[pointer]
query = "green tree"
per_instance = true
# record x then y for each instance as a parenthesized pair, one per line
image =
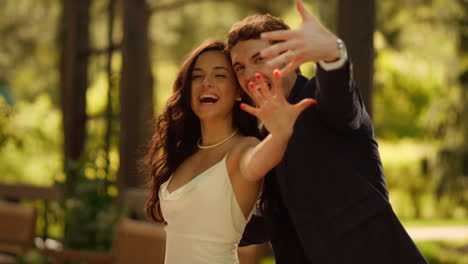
(453, 158)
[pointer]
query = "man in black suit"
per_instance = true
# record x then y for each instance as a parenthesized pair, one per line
(327, 201)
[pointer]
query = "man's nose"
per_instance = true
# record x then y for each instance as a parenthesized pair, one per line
(250, 74)
(207, 82)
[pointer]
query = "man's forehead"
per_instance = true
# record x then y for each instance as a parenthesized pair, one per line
(248, 48)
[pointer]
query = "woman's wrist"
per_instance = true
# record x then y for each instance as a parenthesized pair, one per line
(282, 137)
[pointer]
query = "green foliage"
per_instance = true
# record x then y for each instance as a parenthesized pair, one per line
(29, 141)
(411, 173)
(5, 115)
(434, 222)
(30, 153)
(402, 101)
(90, 216)
(268, 260)
(174, 38)
(418, 95)
(28, 54)
(408, 184)
(452, 174)
(415, 66)
(453, 157)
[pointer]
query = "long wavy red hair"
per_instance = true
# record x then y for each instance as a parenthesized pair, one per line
(178, 129)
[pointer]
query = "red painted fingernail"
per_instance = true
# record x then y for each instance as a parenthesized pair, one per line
(276, 72)
(251, 85)
(242, 106)
(258, 76)
(313, 102)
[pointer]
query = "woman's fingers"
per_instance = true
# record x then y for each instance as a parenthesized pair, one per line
(263, 86)
(256, 94)
(277, 85)
(250, 109)
(303, 104)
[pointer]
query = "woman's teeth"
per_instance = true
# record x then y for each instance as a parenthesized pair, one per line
(208, 99)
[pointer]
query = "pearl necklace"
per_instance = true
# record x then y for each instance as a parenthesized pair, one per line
(217, 144)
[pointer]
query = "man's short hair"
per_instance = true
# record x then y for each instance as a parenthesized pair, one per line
(251, 27)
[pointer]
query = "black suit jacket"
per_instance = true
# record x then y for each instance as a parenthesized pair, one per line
(330, 181)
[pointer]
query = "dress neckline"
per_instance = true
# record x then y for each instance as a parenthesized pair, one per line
(190, 183)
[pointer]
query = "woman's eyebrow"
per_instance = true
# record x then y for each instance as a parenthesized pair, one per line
(220, 68)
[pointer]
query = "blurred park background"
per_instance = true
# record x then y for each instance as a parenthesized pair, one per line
(81, 79)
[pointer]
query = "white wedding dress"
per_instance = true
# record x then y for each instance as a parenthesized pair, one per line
(204, 219)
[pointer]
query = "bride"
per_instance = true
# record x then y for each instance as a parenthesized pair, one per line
(206, 162)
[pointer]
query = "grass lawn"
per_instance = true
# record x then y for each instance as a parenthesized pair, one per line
(444, 252)
(268, 260)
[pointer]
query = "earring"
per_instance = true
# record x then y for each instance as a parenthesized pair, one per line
(238, 99)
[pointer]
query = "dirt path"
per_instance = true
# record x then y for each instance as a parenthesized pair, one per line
(438, 233)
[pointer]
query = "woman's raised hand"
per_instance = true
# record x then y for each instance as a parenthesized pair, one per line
(272, 108)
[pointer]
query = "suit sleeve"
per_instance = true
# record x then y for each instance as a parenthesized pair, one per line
(255, 232)
(339, 102)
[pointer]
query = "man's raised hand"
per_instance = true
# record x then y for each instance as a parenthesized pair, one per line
(311, 42)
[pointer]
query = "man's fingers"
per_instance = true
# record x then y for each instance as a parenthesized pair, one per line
(304, 104)
(278, 35)
(282, 60)
(303, 12)
(279, 48)
(290, 67)
(274, 49)
(277, 62)
(249, 109)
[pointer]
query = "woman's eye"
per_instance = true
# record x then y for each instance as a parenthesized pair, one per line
(194, 77)
(220, 75)
(258, 59)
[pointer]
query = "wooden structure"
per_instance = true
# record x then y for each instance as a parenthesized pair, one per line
(129, 238)
(135, 242)
(16, 193)
(17, 230)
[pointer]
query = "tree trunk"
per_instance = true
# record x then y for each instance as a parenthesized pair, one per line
(356, 24)
(136, 93)
(110, 88)
(73, 84)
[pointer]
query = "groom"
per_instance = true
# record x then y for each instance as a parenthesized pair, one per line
(327, 201)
